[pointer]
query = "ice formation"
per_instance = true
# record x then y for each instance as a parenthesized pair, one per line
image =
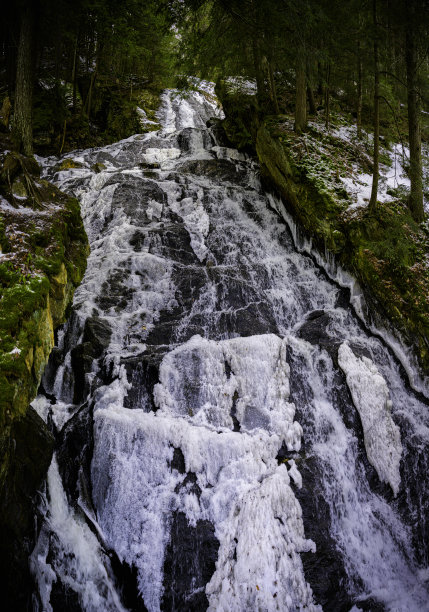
(215, 406)
(371, 397)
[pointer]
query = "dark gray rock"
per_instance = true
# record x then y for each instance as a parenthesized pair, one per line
(190, 562)
(189, 136)
(74, 454)
(114, 292)
(314, 330)
(216, 169)
(96, 338)
(30, 456)
(143, 374)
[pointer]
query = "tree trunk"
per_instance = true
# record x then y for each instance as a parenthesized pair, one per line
(359, 93)
(259, 74)
(301, 93)
(273, 88)
(22, 134)
(86, 108)
(320, 81)
(374, 189)
(415, 201)
(90, 90)
(311, 100)
(328, 98)
(74, 74)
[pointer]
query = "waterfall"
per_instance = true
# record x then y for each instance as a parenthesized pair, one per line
(230, 435)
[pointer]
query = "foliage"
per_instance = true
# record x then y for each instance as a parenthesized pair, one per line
(94, 56)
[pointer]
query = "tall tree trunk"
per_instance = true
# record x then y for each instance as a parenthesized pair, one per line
(22, 134)
(415, 201)
(301, 92)
(320, 91)
(310, 92)
(74, 73)
(374, 190)
(328, 97)
(90, 90)
(86, 108)
(259, 73)
(273, 88)
(311, 100)
(359, 93)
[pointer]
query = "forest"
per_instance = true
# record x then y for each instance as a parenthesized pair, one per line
(214, 322)
(67, 68)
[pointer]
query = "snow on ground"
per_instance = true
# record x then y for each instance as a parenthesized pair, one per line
(358, 183)
(242, 85)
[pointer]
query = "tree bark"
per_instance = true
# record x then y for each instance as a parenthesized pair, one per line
(359, 93)
(259, 74)
(301, 93)
(374, 190)
(273, 88)
(415, 201)
(90, 90)
(22, 134)
(311, 100)
(328, 97)
(320, 82)
(74, 74)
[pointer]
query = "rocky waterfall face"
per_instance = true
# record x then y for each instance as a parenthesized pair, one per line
(230, 436)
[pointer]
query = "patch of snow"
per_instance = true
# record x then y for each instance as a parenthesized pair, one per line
(242, 85)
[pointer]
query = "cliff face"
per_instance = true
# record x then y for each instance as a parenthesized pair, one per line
(43, 257)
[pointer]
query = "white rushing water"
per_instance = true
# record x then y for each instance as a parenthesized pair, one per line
(208, 372)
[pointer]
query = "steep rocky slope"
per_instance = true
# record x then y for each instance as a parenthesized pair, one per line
(43, 257)
(322, 177)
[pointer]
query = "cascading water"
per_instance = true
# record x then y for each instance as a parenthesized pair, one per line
(230, 436)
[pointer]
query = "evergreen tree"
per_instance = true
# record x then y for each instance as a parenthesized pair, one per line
(23, 109)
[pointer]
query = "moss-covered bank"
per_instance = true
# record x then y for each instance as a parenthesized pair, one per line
(43, 257)
(387, 252)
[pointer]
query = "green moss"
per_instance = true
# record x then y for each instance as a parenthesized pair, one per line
(386, 251)
(46, 260)
(242, 117)
(149, 100)
(67, 164)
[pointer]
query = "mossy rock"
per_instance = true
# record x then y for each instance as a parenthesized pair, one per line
(385, 251)
(19, 189)
(68, 164)
(14, 164)
(242, 117)
(30, 448)
(45, 261)
(98, 167)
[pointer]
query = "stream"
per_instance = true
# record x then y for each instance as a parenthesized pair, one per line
(230, 435)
